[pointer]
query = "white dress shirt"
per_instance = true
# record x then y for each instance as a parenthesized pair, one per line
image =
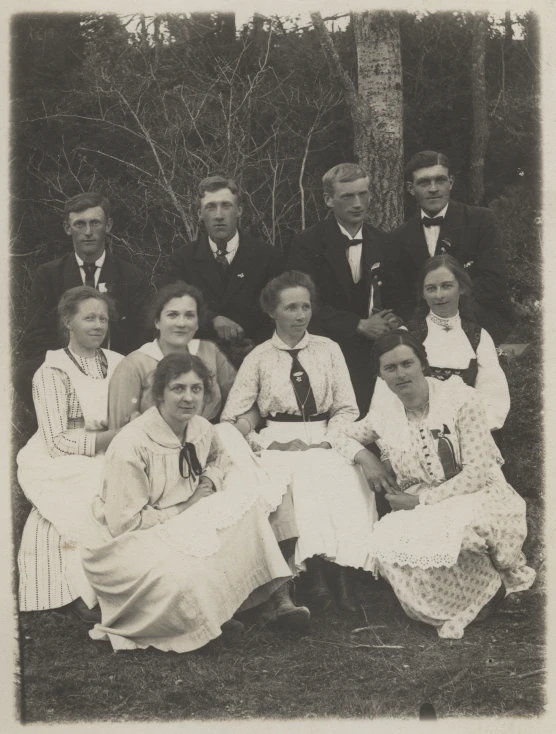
(231, 247)
(354, 253)
(99, 263)
(431, 233)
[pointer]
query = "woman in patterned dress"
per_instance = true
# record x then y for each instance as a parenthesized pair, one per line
(179, 549)
(302, 388)
(59, 470)
(458, 544)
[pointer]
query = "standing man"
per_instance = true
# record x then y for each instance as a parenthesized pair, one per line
(468, 233)
(87, 220)
(229, 267)
(356, 282)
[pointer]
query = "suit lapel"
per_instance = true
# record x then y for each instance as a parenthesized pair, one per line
(335, 253)
(416, 244)
(71, 276)
(206, 264)
(372, 254)
(242, 265)
(451, 231)
(108, 270)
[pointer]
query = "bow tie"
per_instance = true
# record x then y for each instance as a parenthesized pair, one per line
(432, 221)
(351, 243)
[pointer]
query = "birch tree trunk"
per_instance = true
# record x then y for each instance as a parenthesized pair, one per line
(480, 113)
(376, 107)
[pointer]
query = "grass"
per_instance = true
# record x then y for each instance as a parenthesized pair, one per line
(332, 671)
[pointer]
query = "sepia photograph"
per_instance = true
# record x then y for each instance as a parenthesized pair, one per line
(275, 348)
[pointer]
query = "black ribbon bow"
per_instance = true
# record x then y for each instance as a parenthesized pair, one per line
(351, 243)
(189, 456)
(432, 221)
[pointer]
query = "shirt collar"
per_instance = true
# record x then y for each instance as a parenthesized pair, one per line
(358, 236)
(231, 245)
(99, 263)
(424, 215)
(279, 344)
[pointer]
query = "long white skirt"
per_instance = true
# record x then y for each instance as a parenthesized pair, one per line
(61, 490)
(334, 508)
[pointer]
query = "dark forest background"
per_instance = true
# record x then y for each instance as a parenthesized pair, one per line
(141, 109)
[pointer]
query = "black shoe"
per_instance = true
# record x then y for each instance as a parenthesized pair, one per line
(88, 616)
(320, 596)
(345, 591)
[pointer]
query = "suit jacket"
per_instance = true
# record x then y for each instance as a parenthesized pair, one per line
(320, 252)
(125, 284)
(254, 264)
(470, 234)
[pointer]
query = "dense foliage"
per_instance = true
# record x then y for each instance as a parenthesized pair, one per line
(142, 108)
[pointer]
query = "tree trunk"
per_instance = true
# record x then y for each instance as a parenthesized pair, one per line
(379, 66)
(480, 113)
(376, 108)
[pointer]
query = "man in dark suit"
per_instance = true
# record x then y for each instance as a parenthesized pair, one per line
(87, 220)
(229, 267)
(469, 233)
(358, 287)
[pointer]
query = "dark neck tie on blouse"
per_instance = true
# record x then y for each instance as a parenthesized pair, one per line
(188, 455)
(432, 221)
(302, 386)
(221, 258)
(445, 451)
(90, 270)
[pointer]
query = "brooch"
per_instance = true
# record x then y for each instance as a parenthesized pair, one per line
(241, 275)
(445, 246)
(469, 264)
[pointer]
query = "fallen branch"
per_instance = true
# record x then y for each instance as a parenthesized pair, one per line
(531, 673)
(374, 647)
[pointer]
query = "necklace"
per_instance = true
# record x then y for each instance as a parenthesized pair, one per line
(424, 408)
(446, 324)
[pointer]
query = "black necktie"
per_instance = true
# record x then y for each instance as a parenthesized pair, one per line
(432, 221)
(445, 451)
(221, 258)
(302, 386)
(90, 271)
(188, 456)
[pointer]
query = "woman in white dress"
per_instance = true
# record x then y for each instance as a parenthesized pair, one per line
(455, 343)
(174, 315)
(301, 385)
(179, 549)
(59, 470)
(459, 545)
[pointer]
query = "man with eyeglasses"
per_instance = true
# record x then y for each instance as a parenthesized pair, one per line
(87, 220)
(468, 233)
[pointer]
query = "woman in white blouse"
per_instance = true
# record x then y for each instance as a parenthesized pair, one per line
(183, 541)
(59, 470)
(455, 343)
(302, 388)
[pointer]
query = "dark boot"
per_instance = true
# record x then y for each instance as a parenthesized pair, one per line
(317, 587)
(286, 613)
(83, 613)
(345, 590)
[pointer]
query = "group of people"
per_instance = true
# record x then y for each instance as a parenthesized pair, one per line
(183, 476)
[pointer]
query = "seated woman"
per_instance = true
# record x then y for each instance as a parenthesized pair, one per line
(59, 470)
(175, 313)
(179, 552)
(301, 385)
(460, 545)
(454, 342)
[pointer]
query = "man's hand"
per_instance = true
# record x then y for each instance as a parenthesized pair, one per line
(376, 325)
(402, 501)
(295, 445)
(379, 476)
(226, 328)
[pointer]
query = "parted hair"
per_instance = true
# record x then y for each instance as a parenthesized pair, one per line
(174, 365)
(270, 295)
(342, 173)
(69, 305)
(398, 338)
(460, 274)
(215, 183)
(425, 159)
(165, 294)
(87, 200)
